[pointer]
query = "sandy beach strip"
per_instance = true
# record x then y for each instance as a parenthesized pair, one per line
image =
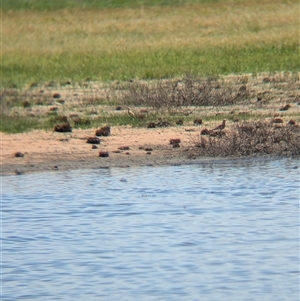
(38, 151)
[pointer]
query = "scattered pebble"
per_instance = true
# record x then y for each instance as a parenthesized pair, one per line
(205, 132)
(103, 131)
(103, 154)
(175, 141)
(277, 120)
(93, 140)
(124, 148)
(285, 108)
(56, 95)
(19, 155)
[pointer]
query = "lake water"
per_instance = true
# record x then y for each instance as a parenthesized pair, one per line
(219, 231)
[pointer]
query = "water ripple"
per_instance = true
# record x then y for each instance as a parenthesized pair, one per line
(215, 231)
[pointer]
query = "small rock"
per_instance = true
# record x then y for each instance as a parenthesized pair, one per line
(103, 131)
(103, 154)
(19, 155)
(56, 95)
(285, 108)
(205, 132)
(175, 141)
(266, 80)
(93, 140)
(124, 148)
(277, 120)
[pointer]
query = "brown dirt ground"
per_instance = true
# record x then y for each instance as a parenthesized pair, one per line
(46, 151)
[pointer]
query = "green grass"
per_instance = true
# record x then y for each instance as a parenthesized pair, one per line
(13, 125)
(45, 5)
(18, 69)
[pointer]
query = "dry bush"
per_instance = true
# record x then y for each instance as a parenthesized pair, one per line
(250, 138)
(190, 91)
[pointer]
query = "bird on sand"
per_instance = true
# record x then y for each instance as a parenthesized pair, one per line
(220, 126)
(130, 113)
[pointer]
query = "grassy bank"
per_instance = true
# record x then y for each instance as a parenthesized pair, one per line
(44, 42)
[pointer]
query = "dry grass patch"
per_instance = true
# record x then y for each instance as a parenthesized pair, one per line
(110, 30)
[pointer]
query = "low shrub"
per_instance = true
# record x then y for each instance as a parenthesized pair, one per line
(251, 138)
(190, 91)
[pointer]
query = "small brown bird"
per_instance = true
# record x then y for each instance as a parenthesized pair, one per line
(221, 126)
(130, 113)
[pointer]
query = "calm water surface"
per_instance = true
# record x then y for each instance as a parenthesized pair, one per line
(221, 231)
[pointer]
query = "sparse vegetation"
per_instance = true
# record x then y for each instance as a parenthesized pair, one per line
(250, 138)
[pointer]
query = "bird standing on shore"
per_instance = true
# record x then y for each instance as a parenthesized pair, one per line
(130, 113)
(221, 126)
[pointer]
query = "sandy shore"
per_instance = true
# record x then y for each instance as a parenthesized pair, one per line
(52, 151)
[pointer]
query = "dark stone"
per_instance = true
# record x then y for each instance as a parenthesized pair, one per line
(93, 140)
(56, 95)
(19, 155)
(103, 131)
(103, 154)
